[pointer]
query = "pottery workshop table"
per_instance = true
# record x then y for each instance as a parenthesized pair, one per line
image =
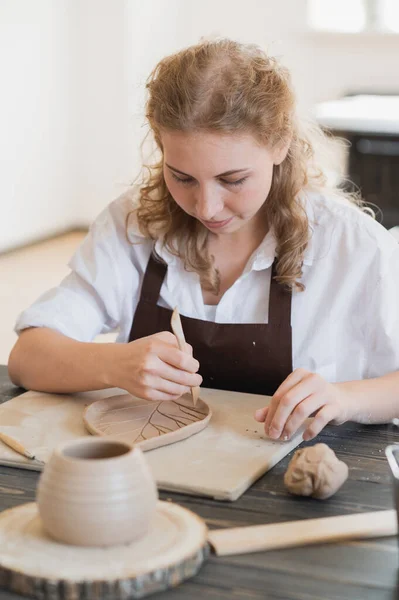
(366, 570)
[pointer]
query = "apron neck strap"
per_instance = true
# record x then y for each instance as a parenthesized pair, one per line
(153, 279)
(279, 303)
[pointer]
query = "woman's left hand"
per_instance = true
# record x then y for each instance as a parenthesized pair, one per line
(301, 395)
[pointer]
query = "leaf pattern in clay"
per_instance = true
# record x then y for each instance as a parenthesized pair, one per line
(169, 416)
(137, 420)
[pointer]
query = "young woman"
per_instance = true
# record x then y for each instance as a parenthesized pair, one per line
(285, 286)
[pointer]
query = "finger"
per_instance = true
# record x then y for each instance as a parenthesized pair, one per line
(325, 415)
(166, 336)
(170, 338)
(154, 395)
(261, 413)
(178, 359)
(188, 349)
(302, 412)
(169, 387)
(306, 387)
(290, 382)
(158, 396)
(178, 376)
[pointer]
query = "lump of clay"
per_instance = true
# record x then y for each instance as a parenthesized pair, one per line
(315, 471)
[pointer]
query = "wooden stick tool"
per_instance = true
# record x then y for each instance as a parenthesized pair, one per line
(18, 447)
(181, 340)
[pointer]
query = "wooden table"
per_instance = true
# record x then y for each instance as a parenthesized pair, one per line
(366, 570)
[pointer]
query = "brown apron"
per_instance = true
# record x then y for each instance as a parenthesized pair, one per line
(254, 358)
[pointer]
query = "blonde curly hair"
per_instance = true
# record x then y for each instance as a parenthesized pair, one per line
(227, 86)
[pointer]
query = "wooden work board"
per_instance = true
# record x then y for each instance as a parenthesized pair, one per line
(221, 461)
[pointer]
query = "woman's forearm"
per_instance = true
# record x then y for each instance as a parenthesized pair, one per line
(372, 400)
(47, 361)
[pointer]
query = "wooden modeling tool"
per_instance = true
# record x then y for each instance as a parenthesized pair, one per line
(181, 340)
(18, 447)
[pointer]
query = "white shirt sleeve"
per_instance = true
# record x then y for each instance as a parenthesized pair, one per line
(383, 321)
(89, 300)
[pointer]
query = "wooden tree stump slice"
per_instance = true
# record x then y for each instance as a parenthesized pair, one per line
(33, 564)
(144, 423)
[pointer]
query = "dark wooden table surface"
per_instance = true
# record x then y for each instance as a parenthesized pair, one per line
(365, 570)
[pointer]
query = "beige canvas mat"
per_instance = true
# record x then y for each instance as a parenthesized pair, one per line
(221, 461)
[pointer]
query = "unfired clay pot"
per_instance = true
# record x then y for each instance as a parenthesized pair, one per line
(96, 492)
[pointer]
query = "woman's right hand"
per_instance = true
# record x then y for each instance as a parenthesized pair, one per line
(153, 367)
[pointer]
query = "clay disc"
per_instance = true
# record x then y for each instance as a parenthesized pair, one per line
(33, 564)
(144, 423)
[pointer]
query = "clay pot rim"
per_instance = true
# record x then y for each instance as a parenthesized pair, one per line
(59, 451)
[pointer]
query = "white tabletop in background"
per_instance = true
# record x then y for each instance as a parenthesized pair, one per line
(361, 114)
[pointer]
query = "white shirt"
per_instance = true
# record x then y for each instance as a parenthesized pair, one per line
(345, 325)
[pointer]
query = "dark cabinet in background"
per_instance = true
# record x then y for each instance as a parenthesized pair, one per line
(374, 169)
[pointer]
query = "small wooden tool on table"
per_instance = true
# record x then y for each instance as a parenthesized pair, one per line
(18, 447)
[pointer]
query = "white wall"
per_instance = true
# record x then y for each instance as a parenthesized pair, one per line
(102, 130)
(323, 66)
(36, 189)
(75, 73)
(116, 44)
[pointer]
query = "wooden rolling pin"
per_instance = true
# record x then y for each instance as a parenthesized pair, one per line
(242, 540)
